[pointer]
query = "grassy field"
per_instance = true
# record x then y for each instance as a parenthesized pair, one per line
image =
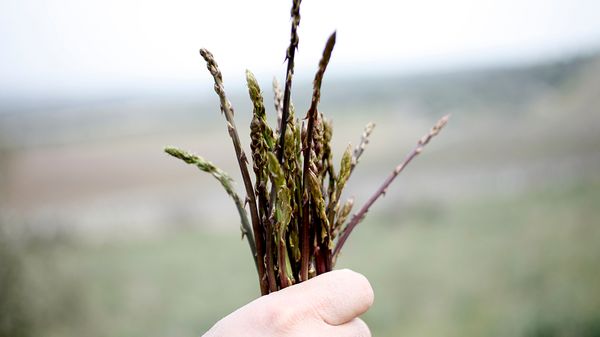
(494, 231)
(523, 265)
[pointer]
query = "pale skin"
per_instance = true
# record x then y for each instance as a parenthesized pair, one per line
(327, 305)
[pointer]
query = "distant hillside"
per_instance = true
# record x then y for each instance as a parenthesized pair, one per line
(485, 91)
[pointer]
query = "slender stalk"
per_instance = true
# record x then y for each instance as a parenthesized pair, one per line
(360, 148)
(278, 103)
(270, 255)
(261, 143)
(282, 255)
(348, 165)
(341, 217)
(311, 115)
(281, 214)
(328, 160)
(305, 241)
(227, 184)
(227, 110)
(318, 254)
(291, 52)
(340, 183)
(358, 217)
(269, 251)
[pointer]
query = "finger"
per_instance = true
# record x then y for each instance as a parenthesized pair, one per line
(335, 297)
(355, 328)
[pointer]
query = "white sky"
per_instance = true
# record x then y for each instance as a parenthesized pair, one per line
(64, 45)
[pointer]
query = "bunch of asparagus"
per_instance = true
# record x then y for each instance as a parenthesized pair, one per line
(298, 222)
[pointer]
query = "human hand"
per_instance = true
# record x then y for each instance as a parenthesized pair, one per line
(326, 305)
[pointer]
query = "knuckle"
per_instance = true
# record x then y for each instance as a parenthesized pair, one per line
(319, 310)
(280, 317)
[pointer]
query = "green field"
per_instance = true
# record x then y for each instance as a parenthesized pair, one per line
(511, 266)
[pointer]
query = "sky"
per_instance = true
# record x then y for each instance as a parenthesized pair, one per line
(68, 46)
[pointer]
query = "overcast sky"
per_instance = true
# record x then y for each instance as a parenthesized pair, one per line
(65, 45)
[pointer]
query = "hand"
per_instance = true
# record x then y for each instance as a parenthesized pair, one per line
(326, 305)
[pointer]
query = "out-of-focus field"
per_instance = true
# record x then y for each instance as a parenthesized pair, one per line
(523, 266)
(493, 231)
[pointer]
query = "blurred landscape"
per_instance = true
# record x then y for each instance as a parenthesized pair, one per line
(493, 230)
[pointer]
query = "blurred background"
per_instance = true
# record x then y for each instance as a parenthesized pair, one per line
(492, 231)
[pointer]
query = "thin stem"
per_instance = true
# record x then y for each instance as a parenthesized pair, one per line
(227, 110)
(360, 148)
(261, 143)
(278, 103)
(311, 115)
(358, 217)
(305, 241)
(270, 255)
(334, 196)
(227, 184)
(281, 254)
(318, 253)
(291, 52)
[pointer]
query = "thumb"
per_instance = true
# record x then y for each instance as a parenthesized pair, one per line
(335, 297)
